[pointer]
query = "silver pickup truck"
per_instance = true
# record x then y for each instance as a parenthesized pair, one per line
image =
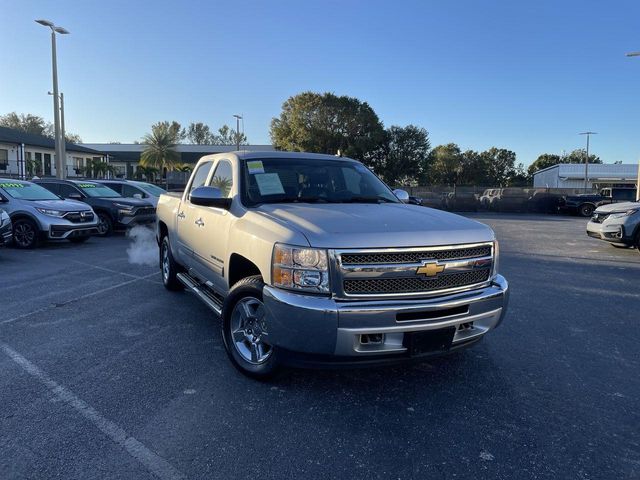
(311, 259)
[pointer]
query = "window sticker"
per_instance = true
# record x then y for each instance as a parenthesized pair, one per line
(86, 185)
(255, 166)
(12, 185)
(269, 184)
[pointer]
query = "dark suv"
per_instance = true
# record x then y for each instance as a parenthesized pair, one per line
(114, 211)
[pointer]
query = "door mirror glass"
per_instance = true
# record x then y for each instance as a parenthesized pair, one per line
(209, 197)
(402, 195)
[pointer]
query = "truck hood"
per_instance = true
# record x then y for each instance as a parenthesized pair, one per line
(617, 207)
(62, 205)
(361, 225)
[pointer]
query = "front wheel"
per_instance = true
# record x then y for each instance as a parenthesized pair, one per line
(245, 330)
(25, 233)
(105, 224)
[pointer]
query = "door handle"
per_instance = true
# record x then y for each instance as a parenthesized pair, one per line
(199, 222)
(181, 215)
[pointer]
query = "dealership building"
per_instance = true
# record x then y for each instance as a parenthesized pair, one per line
(572, 175)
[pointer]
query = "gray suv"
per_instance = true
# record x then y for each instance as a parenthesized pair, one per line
(617, 223)
(37, 214)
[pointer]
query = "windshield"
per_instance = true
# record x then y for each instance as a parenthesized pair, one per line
(151, 189)
(95, 190)
(27, 191)
(278, 180)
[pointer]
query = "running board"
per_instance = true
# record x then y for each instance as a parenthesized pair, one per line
(210, 301)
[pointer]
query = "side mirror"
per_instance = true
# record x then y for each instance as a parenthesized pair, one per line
(402, 195)
(74, 196)
(209, 197)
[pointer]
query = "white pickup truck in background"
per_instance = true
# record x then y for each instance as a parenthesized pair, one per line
(311, 259)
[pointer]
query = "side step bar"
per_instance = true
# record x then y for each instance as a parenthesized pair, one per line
(201, 292)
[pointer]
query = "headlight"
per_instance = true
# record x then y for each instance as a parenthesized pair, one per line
(51, 213)
(496, 257)
(629, 212)
(124, 209)
(300, 268)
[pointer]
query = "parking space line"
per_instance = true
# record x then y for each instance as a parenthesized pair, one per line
(110, 270)
(155, 464)
(82, 297)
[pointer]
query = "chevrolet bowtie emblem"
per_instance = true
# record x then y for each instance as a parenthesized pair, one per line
(430, 269)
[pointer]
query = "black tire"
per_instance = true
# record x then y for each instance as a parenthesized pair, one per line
(586, 210)
(25, 233)
(105, 225)
(79, 239)
(637, 245)
(620, 246)
(247, 290)
(169, 269)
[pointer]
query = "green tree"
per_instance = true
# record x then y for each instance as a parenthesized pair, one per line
(327, 123)
(446, 164)
(500, 164)
(227, 136)
(173, 129)
(200, 134)
(474, 169)
(159, 149)
(405, 155)
(543, 161)
(579, 155)
(35, 125)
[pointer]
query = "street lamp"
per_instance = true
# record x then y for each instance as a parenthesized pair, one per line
(586, 160)
(636, 54)
(60, 148)
(238, 118)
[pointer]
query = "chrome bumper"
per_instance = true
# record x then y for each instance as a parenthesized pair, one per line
(324, 326)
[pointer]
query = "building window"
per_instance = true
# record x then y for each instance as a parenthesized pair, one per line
(4, 159)
(78, 163)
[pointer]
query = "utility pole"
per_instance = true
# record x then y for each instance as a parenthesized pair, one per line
(586, 160)
(60, 151)
(636, 54)
(238, 118)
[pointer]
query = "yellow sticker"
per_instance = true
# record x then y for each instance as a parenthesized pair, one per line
(255, 166)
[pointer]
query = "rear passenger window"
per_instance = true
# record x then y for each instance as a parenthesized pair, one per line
(129, 191)
(200, 176)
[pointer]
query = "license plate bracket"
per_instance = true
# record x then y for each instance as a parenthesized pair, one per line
(429, 341)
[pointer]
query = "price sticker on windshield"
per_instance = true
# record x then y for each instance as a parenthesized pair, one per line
(86, 185)
(12, 185)
(255, 166)
(269, 184)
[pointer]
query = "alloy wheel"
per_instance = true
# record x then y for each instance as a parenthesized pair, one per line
(249, 331)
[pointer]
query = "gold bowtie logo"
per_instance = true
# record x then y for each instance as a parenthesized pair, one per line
(430, 269)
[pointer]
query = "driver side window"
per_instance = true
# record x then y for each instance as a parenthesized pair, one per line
(200, 176)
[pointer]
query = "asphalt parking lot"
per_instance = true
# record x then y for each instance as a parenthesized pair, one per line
(107, 375)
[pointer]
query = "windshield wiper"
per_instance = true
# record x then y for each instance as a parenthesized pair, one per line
(367, 199)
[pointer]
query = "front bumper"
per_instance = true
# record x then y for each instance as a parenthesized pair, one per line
(6, 234)
(609, 231)
(335, 330)
(128, 221)
(60, 232)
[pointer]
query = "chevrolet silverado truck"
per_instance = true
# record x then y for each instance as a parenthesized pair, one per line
(39, 215)
(311, 259)
(585, 204)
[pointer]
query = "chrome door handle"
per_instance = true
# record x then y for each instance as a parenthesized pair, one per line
(199, 222)
(181, 215)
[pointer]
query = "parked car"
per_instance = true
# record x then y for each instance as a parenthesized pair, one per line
(113, 210)
(6, 231)
(585, 204)
(415, 200)
(487, 198)
(510, 200)
(312, 259)
(617, 223)
(543, 201)
(461, 202)
(135, 189)
(37, 214)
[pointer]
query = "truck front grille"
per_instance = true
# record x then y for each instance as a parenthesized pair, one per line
(412, 271)
(387, 286)
(414, 256)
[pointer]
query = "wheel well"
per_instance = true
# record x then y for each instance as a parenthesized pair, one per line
(24, 216)
(240, 267)
(103, 210)
(163, 231)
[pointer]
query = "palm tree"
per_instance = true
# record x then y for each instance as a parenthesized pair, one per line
(146, 173)
(160, 152)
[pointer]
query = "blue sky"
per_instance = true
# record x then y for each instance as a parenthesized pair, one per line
(527, 76)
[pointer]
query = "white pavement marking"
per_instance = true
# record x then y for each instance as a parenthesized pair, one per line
(157, 465)
(109, 270)
(82, 297)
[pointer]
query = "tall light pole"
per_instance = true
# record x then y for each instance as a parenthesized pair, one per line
(63, 134)
(586, 160)
(60, 151)
(238, 118)
(636, 54)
